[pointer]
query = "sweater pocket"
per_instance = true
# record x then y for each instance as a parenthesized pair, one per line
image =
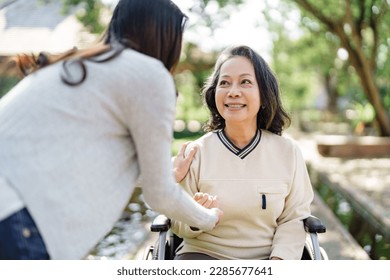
(271, 197)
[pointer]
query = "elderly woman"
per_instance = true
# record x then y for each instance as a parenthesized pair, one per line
(244, 166)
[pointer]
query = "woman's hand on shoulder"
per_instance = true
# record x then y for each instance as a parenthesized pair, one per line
(181, 162)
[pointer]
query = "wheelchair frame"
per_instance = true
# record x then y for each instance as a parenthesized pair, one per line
(165, 248)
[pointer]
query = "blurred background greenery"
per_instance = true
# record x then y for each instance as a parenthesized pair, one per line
(329, 56)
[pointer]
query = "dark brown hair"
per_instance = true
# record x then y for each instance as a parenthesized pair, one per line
(271, 116)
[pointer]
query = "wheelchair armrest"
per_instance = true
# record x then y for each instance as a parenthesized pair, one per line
(313, 224)
(160, 223)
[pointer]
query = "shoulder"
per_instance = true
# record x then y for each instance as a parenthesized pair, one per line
(145, 64)
(201, 142)
(134, 70)
(138, 75)
(284, 143)
(206, 139)
(280, 139)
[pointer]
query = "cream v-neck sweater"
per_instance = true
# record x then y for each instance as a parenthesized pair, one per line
(264, 191)
(73, 155)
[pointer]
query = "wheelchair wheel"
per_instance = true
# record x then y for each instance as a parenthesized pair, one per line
(148, 253)
(313, 251)
(151, 253)
(324, 255)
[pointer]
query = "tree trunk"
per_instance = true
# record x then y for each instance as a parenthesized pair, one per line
(332, 93)
(361, 64)
(372, 92)
(364, 67)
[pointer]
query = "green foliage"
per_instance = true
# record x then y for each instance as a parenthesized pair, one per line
(365, 113)
(189, 102)
(223, 3)
(192, 72)
(180, 139)
(385, 95)
(204, 11)
(314, 53)
(298, 63)
(361, 28)
(302, 63)
(91, 17)
(91, 14)
(360, 227)
(6, 83)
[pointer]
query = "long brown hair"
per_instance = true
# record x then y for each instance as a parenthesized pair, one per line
(152, 27)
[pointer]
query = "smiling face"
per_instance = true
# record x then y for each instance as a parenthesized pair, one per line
(237, 93)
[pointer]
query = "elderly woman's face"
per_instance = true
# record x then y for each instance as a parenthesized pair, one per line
(237, 93)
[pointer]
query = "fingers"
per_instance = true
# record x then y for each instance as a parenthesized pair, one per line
(206, 200)
(198, 196)
(183, 149)
(192, 153)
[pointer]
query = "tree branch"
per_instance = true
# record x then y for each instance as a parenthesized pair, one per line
(374, 21)
(317, 13)
(373, 25)
(362, 15)
(355, 30)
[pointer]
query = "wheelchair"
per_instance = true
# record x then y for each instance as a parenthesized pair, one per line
(168, 242)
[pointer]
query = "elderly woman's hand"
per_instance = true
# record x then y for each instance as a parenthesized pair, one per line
(206, 200)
